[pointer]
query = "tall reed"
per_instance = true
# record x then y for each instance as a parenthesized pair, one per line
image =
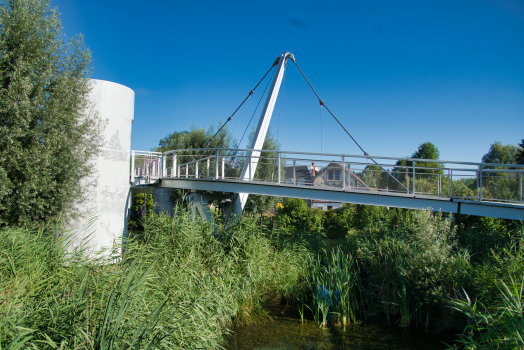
(335, 287)
(176, 286)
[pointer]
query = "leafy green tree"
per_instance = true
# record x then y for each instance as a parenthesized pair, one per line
(502, 154)
(197, 138)
(426, 150)
(47, 131)
(520, 151)
(500, 185)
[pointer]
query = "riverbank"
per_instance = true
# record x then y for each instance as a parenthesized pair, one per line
(180, 284)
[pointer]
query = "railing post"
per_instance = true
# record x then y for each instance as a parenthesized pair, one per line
(343, 173)
(407, 181)
(164, 166)
(294, 172)
(349, 175)
(175, 164)
(414, 189)
(196, 170)
(178, 171)
(249, 167)
(480, 183)
(187, 170)
(132, 166)
(450, 182)
(223, 165)
(208, 167)
(439, 184)
(520, 175)
(279, 165)
(216, 164)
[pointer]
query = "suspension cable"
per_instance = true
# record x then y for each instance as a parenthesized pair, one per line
(247, 126)
(248, 96)
(338, 121)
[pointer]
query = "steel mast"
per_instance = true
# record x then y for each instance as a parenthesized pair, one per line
(248, 172)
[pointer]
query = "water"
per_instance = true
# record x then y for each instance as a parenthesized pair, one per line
(287, 332)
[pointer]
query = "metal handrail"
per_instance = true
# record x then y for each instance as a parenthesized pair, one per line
(153, 165)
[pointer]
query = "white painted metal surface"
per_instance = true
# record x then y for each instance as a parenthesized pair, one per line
(104, 215)
(260, 134)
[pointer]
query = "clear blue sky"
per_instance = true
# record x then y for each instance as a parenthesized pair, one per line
(396, 73)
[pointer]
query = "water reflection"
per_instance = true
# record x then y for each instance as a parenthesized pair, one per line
(289, 333)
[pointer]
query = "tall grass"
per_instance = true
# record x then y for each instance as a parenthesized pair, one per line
(176, 286)
(496, 326)
(335, 287)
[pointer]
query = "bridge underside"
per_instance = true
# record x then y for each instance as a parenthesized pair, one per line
(448, 205)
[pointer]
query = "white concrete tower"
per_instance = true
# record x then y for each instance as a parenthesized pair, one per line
(104, 215)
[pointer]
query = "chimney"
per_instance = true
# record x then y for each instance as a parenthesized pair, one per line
(313, 169)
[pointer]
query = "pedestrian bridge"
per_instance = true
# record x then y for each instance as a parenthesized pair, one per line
(482, 189)
(455, 187)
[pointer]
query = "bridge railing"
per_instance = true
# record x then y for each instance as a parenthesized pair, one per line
(408, 176)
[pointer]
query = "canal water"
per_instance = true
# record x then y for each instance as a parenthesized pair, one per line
(285, 332)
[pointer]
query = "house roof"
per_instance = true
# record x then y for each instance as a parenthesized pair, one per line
(339, 165)
(302, 172)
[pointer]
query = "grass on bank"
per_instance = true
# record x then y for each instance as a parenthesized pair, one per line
(176, 286)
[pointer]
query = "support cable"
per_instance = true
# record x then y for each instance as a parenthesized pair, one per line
(248, 96)
(338, 121)
(244, 134)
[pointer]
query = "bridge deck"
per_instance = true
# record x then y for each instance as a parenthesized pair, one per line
(514, 211)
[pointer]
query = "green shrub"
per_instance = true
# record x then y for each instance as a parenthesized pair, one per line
(414, 268)
(338, 222)
(297, 217)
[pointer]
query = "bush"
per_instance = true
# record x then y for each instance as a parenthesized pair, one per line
(297, 217)
(414, 268)
(338, 222)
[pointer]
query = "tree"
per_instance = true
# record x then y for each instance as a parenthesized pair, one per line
(502, 154)
(47, 131)
(520, 151)
(426, 150)
(197, 138)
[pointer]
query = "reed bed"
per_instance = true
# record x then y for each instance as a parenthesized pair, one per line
(335, 287)
(176, 286)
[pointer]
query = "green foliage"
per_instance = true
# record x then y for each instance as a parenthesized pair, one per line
(520, 152)
(337, 222)
(175, 287)
(372, 218)
(47, 131)
(335, 287)
(138, 202)
(499, 325)
(196, 138)
(297, 217)
(502, 154)
(425, 151)
(414, 266)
